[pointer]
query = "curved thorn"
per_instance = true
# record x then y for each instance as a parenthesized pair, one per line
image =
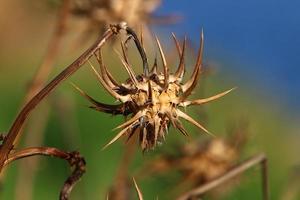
(124, 53)
(154, 67)
(113, 109)
(176, 43)
(180, 71)
(108, 89)
(171, 118)
(111, 78)
(191, 84)
(206, 100)
(181, 128)
(122, 132)
(142, 38)
(140, 49)
(164, 62)
(101, 64)
(108, 79)
(130, 121)
(129, 70)
(192, 121)
(139, 193)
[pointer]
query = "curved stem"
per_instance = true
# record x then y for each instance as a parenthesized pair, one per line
(140, 49)
(258, 159)
(14, 131)
(73, 158)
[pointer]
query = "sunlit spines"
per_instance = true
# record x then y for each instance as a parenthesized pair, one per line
(164, 62)
(189, 86)
(181, 67)
(206, 100)
(191, 120)
(129, 70)
(110, 91)
(109, 80)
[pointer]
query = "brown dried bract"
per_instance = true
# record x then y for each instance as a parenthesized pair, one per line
(153, 99)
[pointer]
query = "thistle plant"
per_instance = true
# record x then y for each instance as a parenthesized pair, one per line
(152, 99)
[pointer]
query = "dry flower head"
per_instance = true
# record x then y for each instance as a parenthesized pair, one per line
(154, 98)
(200, 163)
(99, 14)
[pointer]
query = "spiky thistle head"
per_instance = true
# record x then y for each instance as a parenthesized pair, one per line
(152, 99)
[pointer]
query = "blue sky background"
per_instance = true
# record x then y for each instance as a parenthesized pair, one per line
(259, 39)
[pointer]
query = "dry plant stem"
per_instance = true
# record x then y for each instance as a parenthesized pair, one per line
(24, 187)
(74, 159)
(258, 159)
(14, 131)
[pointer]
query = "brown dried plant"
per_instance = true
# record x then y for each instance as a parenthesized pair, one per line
(8, 150)
(153, 99)
(200, 162)
(104, 11)
(98, 14)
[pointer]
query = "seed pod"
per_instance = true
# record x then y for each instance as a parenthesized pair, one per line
(152, 99)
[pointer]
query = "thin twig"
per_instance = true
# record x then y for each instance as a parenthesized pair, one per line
(74, 159)
(258, 159)
(14, 131)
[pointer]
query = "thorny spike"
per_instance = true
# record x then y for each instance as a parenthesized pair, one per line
(190, 85)
(180, 71)
(154, 67)
(176, 44)
(140, 49)
(139, 193)
(122, 132)
(124, 53)
(169, 114)
(111, 91)
(113, 109)
(191, 120)
(181, 128)
(142, 38)
(165, 66)
(104, 71)
(129, 70)
(100, 61)
(131, 120)
(111, 78)
(206, 100)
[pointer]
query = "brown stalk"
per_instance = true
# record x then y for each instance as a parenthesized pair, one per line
(9, 140)
(239, 169)
(74, 159)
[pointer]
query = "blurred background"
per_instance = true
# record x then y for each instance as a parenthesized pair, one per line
(249, 44)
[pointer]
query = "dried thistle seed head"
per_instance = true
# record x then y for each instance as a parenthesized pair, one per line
(100, 13)
(152, 99)
(201, 162)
